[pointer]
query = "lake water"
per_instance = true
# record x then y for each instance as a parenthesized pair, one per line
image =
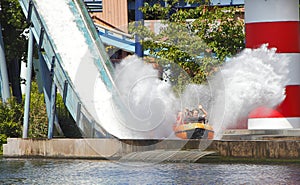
(58, 171)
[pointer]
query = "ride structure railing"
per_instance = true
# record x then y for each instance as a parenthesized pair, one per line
(94, 5)
(59, 78)
(116, 38)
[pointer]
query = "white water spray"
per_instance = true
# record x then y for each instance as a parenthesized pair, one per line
(149, 102)
(254, 78)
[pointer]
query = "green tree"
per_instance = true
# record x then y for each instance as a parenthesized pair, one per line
(177, 46)
(13, 24)
(38, 120)
(11, 117)
(11, 114)
(221, 29)
(191, 36)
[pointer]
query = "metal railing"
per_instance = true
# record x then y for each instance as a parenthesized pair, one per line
(93, 5)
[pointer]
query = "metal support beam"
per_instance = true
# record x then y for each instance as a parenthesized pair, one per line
(23, 75)
(52, 111)
(4, 85)
(41, 38)
(46, 79)
(52, 102)
(138, 20)
(28, 84)
(24, 65)
(29, 11)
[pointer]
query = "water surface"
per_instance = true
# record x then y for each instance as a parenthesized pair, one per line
(54, 171)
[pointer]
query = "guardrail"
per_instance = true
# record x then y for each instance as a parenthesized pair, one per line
(63, 82)
(94, 5)
(116, 38)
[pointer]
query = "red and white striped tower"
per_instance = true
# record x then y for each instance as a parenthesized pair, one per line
(276, 22)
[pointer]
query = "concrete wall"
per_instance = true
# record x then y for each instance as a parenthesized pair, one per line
(273, 149)
(113, 148)
(61, 148)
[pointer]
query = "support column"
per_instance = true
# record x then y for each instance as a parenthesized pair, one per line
(276, 22)
(52, 101)
(23, 75)
(138, 20)
(47, 81)
(52, 110)
(14, 77)
(4, 85)
(28, 84)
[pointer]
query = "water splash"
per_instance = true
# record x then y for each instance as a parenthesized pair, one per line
(254, 78)
(149, 102)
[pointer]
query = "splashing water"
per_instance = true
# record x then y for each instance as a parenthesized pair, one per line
(253, 78)
(149, 102)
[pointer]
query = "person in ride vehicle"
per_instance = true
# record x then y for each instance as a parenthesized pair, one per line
(193, 116)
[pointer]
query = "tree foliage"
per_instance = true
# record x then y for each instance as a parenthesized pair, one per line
(176, 44)
(220, 29)
(38, 120)
(11, 115)
(13, 24)
(191, 37)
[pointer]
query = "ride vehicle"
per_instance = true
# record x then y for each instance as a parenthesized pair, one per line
(194, 129)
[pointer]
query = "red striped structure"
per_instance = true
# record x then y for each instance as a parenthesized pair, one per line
(276, 22)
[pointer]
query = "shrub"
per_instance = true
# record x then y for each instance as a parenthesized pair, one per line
(38, 119)
(11, 114)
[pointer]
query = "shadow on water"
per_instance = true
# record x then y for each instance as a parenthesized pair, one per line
(10, 167)
(189, 156)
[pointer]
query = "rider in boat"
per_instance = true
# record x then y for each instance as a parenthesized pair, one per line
(193, 116)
